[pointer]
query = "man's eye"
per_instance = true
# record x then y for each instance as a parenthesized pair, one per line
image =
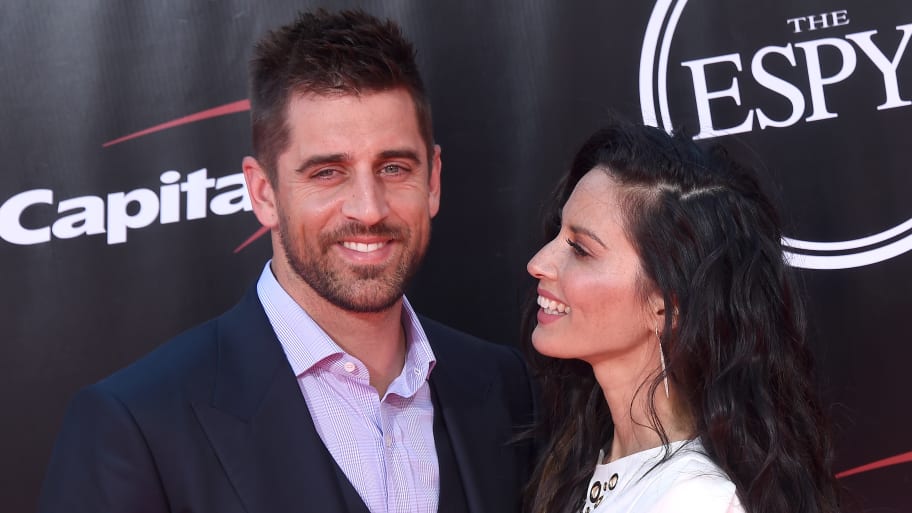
(324, 173)
(391, 169)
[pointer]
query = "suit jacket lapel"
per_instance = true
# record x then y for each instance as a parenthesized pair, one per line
(464, 408)
(259, 424)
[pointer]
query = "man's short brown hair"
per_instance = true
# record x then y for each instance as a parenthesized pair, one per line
(323, 53)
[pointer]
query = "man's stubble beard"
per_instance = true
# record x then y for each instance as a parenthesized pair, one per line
(366, 289)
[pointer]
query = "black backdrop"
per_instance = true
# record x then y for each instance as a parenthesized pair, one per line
(515, 86)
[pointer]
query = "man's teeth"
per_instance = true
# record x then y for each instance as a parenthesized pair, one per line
(363, 248)
(552, 307)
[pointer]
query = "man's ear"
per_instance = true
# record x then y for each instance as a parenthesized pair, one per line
(434, 182)
(262, 194)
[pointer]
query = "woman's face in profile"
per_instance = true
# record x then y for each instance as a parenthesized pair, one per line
(590, 305)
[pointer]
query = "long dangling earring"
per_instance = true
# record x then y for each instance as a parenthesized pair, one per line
(662, 359)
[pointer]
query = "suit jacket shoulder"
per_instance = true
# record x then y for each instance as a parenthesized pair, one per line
(173, 430)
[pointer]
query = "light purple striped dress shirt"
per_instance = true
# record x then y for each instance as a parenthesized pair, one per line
(384, 446)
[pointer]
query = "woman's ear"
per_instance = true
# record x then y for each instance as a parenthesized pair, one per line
(657, 310)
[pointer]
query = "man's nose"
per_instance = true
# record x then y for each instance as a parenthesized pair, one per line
(366, 201)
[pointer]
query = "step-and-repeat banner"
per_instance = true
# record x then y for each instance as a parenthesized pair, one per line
(124, 220)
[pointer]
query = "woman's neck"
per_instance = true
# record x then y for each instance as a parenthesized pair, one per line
(626, 389)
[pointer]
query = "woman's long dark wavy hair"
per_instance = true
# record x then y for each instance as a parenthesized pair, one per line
(709, 241)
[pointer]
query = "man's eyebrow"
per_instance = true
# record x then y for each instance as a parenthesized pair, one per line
(587, 232)
(335, 158)
(316, 160)
(400, 154)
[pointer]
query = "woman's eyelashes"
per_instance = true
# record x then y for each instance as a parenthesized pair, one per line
(577, 248)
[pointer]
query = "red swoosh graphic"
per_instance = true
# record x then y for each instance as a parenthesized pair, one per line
(230, 108)
(256, 235)
(222, 110)
(886, 462)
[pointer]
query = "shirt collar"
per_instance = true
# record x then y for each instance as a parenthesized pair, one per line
(306, 344)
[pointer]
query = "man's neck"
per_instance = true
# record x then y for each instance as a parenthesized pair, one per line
(376, 339)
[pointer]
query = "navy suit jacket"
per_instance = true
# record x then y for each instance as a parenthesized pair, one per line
(214, 421)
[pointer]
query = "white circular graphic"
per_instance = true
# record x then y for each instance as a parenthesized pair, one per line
(653, 89)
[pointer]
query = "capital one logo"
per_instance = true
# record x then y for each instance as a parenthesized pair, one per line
(827, 51)
(177, 198)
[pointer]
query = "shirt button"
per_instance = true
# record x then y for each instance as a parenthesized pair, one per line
(417, 372)
(389, 440)
(349, 367)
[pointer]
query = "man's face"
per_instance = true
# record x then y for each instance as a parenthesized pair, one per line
(353, 199)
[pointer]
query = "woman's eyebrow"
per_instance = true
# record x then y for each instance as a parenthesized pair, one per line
(587, 232)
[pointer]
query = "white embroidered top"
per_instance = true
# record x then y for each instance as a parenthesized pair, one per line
(689, 482)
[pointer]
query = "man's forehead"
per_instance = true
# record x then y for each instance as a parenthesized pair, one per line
(302, 97)
(357, 125)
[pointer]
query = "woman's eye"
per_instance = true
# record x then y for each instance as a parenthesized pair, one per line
(577, 248)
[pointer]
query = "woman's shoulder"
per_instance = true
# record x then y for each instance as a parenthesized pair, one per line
(693, 483)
